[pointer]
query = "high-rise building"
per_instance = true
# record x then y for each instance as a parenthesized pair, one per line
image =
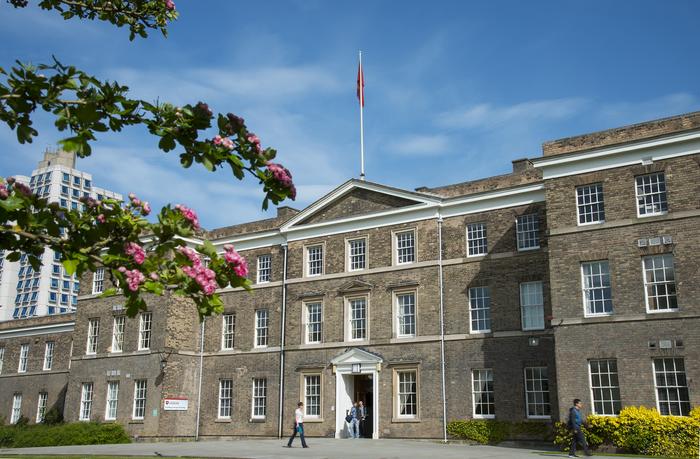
(23, 291)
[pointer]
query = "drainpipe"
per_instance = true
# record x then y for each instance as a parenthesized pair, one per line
(442, 332)
(282, 336)
(199, 385)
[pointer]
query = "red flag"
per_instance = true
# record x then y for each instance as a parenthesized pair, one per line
(360, 86)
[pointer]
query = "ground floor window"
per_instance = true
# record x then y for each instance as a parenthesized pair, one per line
(671, 387)
(537, 392)
(259, 398)
(112, 400)
(86, 402)
(225, 398)
(482, 394)
(407, 393)
(312, 395)
(41, 407)
(140, 387)
(605, 387)
(16, 408)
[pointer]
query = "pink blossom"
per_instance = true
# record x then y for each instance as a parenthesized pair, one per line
(136, 251)
(132, 196)
(154, 276)
(255, 140)
(205, 277)
(170, 5)
(217, 140)
(238, 263)
(134, 278)
(284, 177)
(22, 188)
(4, 194)
(122, 269)
(146, 208)
(189, 215)
(224, 141)
(101, 218)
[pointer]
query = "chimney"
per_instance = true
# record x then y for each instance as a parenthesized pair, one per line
(521, 165)
(286, 212)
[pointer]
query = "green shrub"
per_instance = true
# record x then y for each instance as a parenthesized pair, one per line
(53, 416)
(487, 431)
(640, 430)
(78, 433)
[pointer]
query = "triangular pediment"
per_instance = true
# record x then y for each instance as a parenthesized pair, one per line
(356, 198)
(356, 355)
(355, 285)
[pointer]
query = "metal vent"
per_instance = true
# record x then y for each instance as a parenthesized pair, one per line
(679, 343)
(652, 344)
(655, 241)
(665, 344)
(641, 242)
(667, 240)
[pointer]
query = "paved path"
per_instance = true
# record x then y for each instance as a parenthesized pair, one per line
(320, 448)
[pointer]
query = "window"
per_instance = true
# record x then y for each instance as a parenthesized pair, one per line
(482, 394)
(112, 400)
(98, 281)
(605, 387)
(671, 387)
(66, 177)
(93, 332)
(86, 402)
(48, 355)
(76, 180)
(590, 204)
(476, 239)
(532, 305)
(527, 228)
(264, 268)
(23, 358)
(651, 194)
(405, 247)
(228, 331)
(537, 392)
(2, 358)
(314, 260)
(16, 408)
(357, 313)
(357, 254)
(145, 324)
(312, 396)
(139, 410)
(407, 394)
(314, 313)
(118, 334)
(259, 398)
(225, 397)
(405, 314)
(480, 309)
(41, 407)
(660, 283)
(597, 293)
(87, 183)
(261, 327)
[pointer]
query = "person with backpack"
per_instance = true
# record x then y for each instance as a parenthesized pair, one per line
(298, 426)
(575, 423)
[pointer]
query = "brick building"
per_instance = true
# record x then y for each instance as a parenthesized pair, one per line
(573, 276)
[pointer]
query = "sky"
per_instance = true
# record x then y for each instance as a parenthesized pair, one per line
(454, 90)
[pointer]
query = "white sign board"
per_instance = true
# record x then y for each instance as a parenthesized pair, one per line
(175, 404)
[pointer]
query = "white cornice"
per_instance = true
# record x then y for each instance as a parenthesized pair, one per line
(63, 327)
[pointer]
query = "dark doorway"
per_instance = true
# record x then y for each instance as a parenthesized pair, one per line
(364, 391)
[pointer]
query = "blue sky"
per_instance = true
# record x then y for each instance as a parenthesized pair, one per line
(454, 90)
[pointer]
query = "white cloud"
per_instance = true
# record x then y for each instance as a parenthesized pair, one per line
(420, 145)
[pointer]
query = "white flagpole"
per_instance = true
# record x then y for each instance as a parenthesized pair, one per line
(362, 124)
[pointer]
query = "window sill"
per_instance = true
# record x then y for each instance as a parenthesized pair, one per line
(223, 421)
(405, 420)
(257, 420)
(664, 311)
(528, 249)
(476, 416)
(136, 421)
(539, 418)
(313, 420)
(655, 214)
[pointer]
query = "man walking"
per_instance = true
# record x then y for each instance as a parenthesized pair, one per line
(355, 423)
(298, 426)
(575, 422)
(362, 412)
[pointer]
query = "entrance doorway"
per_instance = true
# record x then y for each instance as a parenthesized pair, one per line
(364, 391)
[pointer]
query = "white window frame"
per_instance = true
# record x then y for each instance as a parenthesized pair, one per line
(118, 334)
(477, 304)
(663, 195)
(145, 330)
(225, 398)
(308, 261)
(42, 401)
(86, 394)
(349, 319)
(98, 279)
(312, 395)
(677, 387)
(112, 401)
(16, 412)
(262, 323)
(48, 355)
(648, 284)
(228, 332)
(349, 261)
(485, 375)
(608, 392)
(595, 210)
(138, 411)
(306, 321)
(401, 394)
(525, 303)
(92, 336)
(399, 316)
(259, 395)
(475, 244)
(264, 271)
(547, 392)
(396, 248)
(587, 287)
(23, 358)
(521, 221)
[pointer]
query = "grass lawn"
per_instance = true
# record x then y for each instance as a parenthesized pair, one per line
(578, 453)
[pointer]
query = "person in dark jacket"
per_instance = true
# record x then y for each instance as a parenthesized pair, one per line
(575, 422)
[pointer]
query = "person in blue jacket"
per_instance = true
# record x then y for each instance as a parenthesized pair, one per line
(575, 422)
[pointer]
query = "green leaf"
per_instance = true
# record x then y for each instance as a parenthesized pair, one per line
(109, 292)
(71, 266)
(154, 287)
(12, 203)
(167, 143)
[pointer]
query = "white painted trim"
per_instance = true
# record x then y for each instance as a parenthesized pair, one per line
(65, 327)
